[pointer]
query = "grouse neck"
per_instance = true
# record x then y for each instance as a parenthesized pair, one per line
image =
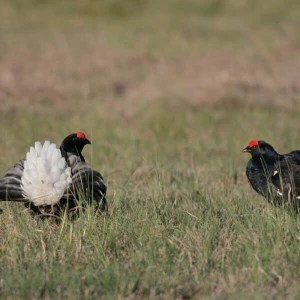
(64, 154)
(268, 156)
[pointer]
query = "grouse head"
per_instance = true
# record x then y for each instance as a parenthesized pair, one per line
(260, 148)
(74, 143)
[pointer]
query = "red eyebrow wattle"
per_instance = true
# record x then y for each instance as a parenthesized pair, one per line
(253, 143)
(80, 135)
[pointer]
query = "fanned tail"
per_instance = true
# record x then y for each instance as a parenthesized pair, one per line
(72, 184)
(46, 175)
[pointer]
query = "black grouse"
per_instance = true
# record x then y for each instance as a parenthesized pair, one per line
(272, 175)
(50, 180)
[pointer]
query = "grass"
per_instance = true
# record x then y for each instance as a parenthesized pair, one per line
(169, 94)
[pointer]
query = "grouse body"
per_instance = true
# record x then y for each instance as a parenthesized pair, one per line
(272, 175)
(55, 179)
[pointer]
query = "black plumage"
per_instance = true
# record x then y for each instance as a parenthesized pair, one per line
(272, 175)
(87, 185)
(286, 177)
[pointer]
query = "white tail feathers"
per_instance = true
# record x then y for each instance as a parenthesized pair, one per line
(46, 175)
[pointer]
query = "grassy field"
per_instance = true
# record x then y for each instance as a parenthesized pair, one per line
(169, 92)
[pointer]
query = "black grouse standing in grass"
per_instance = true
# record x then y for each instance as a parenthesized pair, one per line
(261, 167)
(272, 175)
(50, 180)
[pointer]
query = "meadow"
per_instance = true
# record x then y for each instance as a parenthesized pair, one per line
(169, 93)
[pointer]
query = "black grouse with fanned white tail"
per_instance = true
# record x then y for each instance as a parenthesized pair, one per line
(51, 180)
(272, 175)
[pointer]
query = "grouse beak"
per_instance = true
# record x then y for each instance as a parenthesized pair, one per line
(87, 142)
(247, 149)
